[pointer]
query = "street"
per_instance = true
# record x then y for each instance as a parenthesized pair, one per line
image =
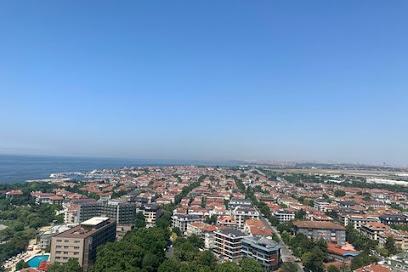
(286, 253)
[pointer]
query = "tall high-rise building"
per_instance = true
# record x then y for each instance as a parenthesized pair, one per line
(80, 242)
(122, 212)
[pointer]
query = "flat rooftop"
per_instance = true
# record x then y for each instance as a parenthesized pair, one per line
(86, 228)
(94, 221)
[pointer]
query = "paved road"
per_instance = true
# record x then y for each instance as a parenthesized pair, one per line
(286, 253)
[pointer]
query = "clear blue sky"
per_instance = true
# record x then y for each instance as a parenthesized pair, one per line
(266, 80)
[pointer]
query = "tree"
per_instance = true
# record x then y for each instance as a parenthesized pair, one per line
(313, 260)
(150, 262)
(339, 193)
(21, 264)
(170, 265)
(227, 267)
(332, 268)
(211, 219)
(140, 221)
(358, 240)
(196, 241)
(177, 231)
(289, 267)
(362, 260)
(140, 249)
(71, 266)
(184, 250)
(300, 214)
(203, 202)
(206, 258)
(250, 265)
(390, 246)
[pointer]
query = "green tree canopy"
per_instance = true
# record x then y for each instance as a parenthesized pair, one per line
(140, 221)
(332, 268)
(227, 267)
(390, 246)
(71, 266)
(21, 264)
(250, 265)
(339, 193)
(289, 267)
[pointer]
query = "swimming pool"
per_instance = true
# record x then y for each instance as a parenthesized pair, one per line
(36, 260)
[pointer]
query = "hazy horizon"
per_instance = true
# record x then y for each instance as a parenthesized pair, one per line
(307, 81)
(186, 161)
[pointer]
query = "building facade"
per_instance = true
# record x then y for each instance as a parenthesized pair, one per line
(228, 244)
(243, 213)
(284, 216)
(263, 250)
(181, 221)
(81, 242)
(328, 231)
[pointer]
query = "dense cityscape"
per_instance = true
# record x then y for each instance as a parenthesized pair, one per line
(190, 218)
(203, 136)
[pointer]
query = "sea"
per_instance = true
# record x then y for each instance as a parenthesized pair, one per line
(19, 168)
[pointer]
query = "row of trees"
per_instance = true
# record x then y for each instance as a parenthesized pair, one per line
(262, 207)
(187, 189)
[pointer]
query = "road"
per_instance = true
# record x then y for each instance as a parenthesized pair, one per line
(286, 253)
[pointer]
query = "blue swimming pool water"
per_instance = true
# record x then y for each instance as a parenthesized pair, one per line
(36, 260)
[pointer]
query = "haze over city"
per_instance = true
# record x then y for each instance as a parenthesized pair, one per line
(212, 80)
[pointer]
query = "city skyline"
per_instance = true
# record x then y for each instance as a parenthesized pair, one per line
(230, 80)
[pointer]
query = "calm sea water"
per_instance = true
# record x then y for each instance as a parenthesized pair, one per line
(21, 168)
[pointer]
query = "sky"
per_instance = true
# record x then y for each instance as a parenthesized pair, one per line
(323, 81)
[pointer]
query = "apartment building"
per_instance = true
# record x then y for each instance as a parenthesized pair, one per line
(226, 221)
(326, 230)
(394, 219)
(321, 205)
(257, 227)
(88, 210)
(228, 244)
(400, 238)
(373, 229)
(44, 237)
(204, 231)
(181, 221)
(264, 250)
(243, 213)
(80, 242)
(122, 212)
(358, 220)
(235, 202)
(151, 212)
(284, 215)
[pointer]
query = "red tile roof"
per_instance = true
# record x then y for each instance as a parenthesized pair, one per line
(318, 225)
(374, 268)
